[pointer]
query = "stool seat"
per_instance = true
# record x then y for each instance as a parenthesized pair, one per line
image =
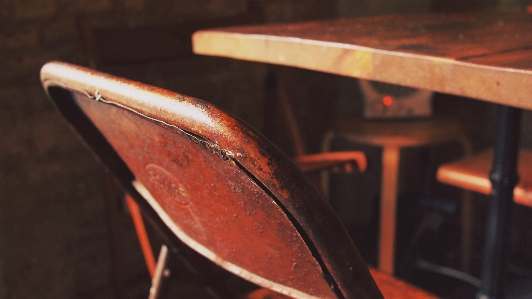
(472, 173)
(401, 133)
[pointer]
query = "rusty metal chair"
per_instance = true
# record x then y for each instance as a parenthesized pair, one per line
(205, 179)
(111, 46)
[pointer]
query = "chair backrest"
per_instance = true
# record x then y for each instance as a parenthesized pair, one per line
(214, 182)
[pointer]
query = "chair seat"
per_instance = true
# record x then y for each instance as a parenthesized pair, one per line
(472, 173)
(390, 287)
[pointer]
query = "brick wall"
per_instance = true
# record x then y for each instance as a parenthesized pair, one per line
(53, 227)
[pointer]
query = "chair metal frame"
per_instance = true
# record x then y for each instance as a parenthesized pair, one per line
(205, 179)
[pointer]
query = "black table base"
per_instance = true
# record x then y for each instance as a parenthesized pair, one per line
(504, 177)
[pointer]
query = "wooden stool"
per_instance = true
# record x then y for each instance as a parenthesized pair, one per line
(392, 135)
(472, 174)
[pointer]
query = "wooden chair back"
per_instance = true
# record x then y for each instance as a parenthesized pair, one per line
(213, 182)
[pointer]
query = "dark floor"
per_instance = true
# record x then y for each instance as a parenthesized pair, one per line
(437, 245)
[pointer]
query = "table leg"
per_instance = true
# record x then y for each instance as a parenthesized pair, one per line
(503, 177)
(466, 213)
(389, 184)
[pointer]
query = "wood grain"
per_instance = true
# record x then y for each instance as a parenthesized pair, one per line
(484, 56)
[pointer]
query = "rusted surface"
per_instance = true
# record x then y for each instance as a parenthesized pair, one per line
(483, 56)
(218, 185)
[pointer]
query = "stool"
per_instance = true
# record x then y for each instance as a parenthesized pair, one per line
(392, 135)
(472, 174)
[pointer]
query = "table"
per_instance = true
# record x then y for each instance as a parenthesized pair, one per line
(486, 56)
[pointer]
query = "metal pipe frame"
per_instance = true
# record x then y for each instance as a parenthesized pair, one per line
(504, 178)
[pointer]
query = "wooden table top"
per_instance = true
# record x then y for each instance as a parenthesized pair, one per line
(484, 56)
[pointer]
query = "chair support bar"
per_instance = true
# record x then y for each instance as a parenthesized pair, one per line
(161, 272)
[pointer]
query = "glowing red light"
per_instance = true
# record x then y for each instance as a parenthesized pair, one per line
(387, 100)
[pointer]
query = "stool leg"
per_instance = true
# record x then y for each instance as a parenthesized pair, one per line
(466, 214)
(503, 178)
(389, 186)
(466, 220)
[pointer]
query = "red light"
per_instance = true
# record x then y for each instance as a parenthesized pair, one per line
(387, 100)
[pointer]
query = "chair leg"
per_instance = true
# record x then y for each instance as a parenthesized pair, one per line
(161, 272)
(142, 235)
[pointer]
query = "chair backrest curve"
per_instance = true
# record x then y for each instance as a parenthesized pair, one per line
(216, 183)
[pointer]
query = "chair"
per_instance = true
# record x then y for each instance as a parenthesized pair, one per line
(121, 45)
(134, 45)
(218, 186)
